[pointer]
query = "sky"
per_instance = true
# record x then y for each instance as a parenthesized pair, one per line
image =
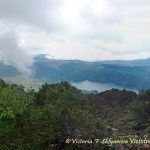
(73, 29)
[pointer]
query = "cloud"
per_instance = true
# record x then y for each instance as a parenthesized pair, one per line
(79, 29)
(35, 13)
(13, 54)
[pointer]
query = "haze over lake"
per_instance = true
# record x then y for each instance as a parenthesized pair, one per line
(89, 86)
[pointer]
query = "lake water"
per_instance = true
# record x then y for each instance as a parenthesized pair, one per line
(89, 86)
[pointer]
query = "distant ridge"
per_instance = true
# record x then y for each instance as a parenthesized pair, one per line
(132, 74)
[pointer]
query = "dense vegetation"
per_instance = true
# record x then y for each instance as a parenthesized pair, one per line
(45, 119)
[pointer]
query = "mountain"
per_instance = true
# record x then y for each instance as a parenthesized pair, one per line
(132, 74)
(8, 71)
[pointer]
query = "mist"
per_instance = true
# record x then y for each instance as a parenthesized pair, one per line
(14, 54)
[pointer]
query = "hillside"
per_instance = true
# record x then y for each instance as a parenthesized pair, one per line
(133, 74)
(56, 112)
(128, 74)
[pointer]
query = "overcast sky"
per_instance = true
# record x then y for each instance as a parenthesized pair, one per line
(74, 29)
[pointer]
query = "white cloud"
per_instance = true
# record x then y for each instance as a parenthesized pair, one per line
(81, 29)
(14, 54)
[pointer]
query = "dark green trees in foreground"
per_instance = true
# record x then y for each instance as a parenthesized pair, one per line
(45, 119)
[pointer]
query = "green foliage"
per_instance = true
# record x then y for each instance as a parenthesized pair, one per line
(45, 119)
(2, 83)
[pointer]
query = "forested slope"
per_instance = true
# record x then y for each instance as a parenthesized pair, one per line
(57, 112)
(128, 74)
